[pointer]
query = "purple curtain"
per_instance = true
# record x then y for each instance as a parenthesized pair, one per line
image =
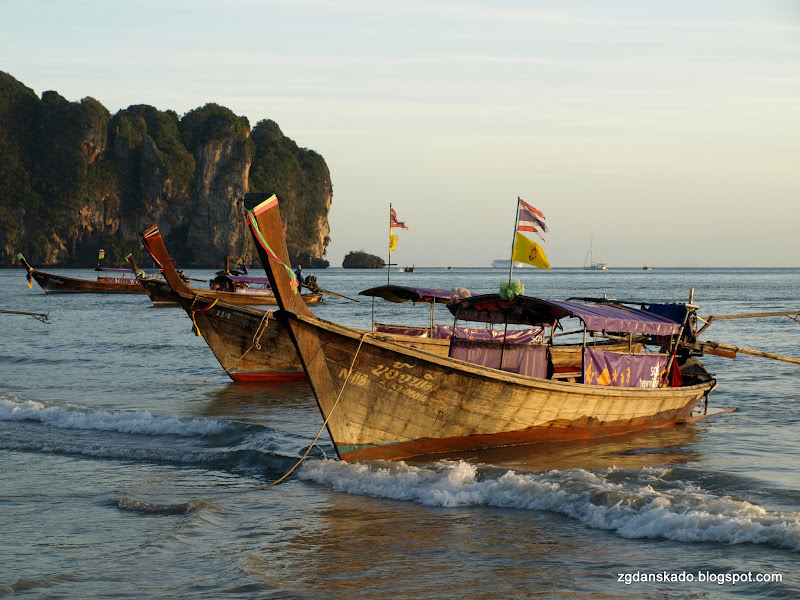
(623, 370)
(525, 359)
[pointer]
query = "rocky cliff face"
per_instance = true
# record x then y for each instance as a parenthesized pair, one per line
(76, 179)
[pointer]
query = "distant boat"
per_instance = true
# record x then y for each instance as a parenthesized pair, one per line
(646, 268)
(504, 263)
(410, 269)
(110, 280)
(589, 263)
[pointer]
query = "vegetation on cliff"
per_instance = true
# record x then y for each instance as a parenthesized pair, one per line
(358, 259)
(74, 178)
(300, 179)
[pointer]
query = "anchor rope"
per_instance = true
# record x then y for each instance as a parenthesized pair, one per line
(324, 424)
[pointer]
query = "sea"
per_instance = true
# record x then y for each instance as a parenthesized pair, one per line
(131, 467)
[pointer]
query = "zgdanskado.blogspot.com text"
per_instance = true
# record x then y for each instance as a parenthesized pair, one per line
(698, 577)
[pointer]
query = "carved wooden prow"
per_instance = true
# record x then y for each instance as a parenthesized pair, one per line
(264, 219)
(153, 242)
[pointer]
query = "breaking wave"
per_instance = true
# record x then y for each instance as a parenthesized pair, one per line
(645, 503)
(139, 421)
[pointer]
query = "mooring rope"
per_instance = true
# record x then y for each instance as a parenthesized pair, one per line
(324, 424)
(262, 327)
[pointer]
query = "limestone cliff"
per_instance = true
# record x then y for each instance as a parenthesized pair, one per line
(74, 179)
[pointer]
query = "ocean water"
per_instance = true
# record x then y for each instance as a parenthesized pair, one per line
(123, 475)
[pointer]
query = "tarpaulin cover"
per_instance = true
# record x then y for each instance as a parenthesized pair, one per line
(622, 370)
(518, 336)
(674, 312)
(492, 308)
(620, 319)
(401, 293)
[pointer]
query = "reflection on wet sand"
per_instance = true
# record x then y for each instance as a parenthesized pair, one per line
(352, 547)
(648, 448)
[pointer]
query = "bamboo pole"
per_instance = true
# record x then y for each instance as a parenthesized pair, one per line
(785, 313)
(794, 315)
(750, 351)
(513, 243)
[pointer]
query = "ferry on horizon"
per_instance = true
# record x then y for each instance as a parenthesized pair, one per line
(504, 263)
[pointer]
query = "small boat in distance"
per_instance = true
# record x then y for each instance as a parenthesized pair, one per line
(505, 263)
(410, 269)
(110, 280)
(589, 263)
(646, 268)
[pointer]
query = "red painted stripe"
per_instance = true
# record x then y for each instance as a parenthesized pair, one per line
(262, 376)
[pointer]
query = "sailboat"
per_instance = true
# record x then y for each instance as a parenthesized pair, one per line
(589, 263)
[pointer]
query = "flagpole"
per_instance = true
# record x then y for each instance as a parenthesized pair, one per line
(513, 242)
(389, 265)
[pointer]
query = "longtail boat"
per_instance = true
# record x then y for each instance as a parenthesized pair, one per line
(381, 400)
(110, 280)
(234, 289)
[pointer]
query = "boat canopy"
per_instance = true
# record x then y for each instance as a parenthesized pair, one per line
(491, 308)
(246, 279)
(402, 293)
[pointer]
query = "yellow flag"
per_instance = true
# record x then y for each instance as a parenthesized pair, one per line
(393, 239)
(529, 252)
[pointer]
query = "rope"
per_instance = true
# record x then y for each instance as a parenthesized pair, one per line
(319, 433)
(262, 327)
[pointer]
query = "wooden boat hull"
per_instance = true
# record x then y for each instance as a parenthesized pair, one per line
(58, 284)
(161, 294)
(400, 402)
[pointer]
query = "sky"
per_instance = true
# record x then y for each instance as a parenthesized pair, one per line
(667, 130)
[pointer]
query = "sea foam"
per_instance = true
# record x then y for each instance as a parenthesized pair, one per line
(632, 503)
(139, 421)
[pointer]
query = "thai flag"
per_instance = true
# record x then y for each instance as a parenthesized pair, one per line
(395, 222)
(530, 219)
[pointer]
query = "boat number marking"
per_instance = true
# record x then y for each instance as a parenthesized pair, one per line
(222, 314)
(395, 379)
